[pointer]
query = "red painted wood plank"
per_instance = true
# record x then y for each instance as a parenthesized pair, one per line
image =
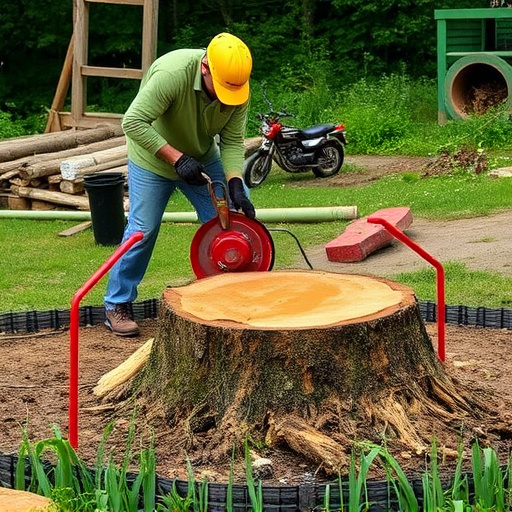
(361, 238)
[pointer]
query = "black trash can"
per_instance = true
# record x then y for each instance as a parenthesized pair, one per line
(106, 191)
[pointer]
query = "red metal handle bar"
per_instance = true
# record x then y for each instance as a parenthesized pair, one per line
(398, 234)
(73, 332)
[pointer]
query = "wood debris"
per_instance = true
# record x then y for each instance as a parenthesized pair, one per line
(31, 175)
(46, 171)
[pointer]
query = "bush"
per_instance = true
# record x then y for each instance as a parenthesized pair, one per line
(10, 126)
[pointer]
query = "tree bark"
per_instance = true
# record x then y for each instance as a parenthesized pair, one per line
(13, 149)
(80, 202)
(25, 164)
(101, 160)
(309, 359)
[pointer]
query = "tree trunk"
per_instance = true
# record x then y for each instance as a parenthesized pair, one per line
(13, 149)
(26, 164)
(308, 359)
(82, 203)
(92, 162)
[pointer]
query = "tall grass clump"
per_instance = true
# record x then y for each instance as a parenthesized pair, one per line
(490, 131)
(314, 105)
(75, 487)
(385, 115)
(305, 90)
(487, 487)
(390, 114)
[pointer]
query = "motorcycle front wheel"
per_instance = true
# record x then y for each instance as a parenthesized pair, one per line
(256, 169)
(330, 157)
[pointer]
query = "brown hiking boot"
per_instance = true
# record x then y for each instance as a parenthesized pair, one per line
(120, 322)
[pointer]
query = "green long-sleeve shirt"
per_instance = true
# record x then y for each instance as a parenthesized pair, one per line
(172, 107)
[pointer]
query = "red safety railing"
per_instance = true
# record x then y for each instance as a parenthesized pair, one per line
(399, 235)
(74, 324)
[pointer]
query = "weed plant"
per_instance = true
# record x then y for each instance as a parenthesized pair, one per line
(74, 487)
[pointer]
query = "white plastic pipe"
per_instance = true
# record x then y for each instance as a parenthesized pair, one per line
(273, 215)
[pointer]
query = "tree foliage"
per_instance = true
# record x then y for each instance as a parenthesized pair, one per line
(294, 43)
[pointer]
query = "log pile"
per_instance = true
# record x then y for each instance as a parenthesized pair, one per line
(45, 172)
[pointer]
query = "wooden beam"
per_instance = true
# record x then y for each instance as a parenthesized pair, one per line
(90, 120)
(76, 229)
(118, 2)
(78, 88)
(111, 72)
(149, 33)
(53, 124)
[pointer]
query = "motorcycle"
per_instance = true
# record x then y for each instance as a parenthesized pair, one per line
(319, 149)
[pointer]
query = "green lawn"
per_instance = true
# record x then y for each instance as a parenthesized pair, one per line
(41, 270)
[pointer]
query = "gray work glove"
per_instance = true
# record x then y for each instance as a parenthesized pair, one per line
(190, 170)
(239, 197)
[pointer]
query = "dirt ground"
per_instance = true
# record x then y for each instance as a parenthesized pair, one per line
(34, 367)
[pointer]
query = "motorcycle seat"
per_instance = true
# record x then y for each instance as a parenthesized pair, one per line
(317, 131)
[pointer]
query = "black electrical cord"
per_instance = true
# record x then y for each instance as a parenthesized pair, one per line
(282, 230)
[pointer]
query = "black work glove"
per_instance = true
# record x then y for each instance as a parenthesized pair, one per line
(190, 170)
(239, 198)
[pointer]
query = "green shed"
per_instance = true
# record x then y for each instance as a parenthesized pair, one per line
(474, 60)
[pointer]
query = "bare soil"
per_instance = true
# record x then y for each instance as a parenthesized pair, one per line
(34, 367)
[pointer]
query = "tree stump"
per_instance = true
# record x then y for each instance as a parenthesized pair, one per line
(312, 360)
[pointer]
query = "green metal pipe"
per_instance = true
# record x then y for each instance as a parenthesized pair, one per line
(272, 215)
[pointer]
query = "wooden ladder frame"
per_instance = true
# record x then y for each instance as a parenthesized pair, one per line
(76, 68)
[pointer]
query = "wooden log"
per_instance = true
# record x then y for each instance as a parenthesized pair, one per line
(80, 202)
(42, 205)
(38, 183)
(62, 155)
(54, 182)
(53, 122)
(101, 160)
(18, 203)
(76, 229)
(340, 353)
(78, 173)
(19, 182)
(251, 145)
(55, 179)
(48, 164)
(8, 175)
(49, 142)
(72, 187)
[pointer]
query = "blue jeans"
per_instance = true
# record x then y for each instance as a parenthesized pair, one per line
(149, 195)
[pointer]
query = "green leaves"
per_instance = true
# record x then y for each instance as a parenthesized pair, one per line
(253, 488)
(488, 479)
(74, 487)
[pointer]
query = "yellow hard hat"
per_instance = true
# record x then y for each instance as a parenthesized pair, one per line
(230, 64)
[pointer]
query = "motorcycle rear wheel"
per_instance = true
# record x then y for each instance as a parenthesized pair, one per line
(256, 169)
(333, 154)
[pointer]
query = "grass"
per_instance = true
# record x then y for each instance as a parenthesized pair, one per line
(75, 487)
(41, 270)
(385, 115)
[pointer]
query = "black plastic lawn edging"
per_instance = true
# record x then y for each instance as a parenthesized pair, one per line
(58, 319)
(304, 497)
